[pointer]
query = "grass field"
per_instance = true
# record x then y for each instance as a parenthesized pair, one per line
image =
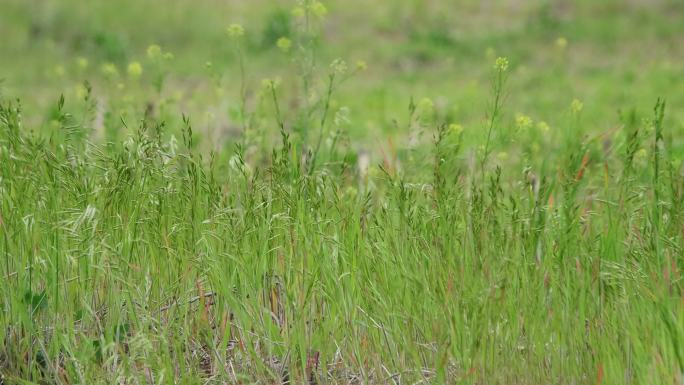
(346, 192)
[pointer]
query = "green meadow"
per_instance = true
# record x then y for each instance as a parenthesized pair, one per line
(341, 192)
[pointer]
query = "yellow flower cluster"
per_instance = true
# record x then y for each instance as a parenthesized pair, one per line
(455, 129)
(134, 69)
(82, 63)
(317, 8)
(561, 43)
(576, 106)
(284, 44)
(110, 70)
(523, 122)
(543, 127)
(339, 66)
(235, 31)
(270, 84)
(501, 64)
(154, 51)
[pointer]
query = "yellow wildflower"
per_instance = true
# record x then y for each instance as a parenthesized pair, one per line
(110, 70)
(576, 106)
(501, 64)
(455, 129)
(523, 122)
(319, 9)
(82, 62)
(543, 127)
(134, 69)
(561, 43)
(235, 31)
(339, 66)
(154, 51)
(284, 44)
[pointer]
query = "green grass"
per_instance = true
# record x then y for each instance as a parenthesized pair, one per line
(435, 218)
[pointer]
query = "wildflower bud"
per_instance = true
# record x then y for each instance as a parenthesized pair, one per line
(270, 84)
(339, 66)
(523, 122)
(82, 63)
(298, 12)
(543, 127)
(235, 31)
(284, 44)
(455, 129)
(641, 154)
(501, 64)
(318, 9)
(576, 106)
(134, 69)
(110, 70)
(154, 51)
(561, 43)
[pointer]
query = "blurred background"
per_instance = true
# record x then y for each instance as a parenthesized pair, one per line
(610, 54)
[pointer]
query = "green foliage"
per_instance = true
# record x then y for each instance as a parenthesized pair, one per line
(174, 220)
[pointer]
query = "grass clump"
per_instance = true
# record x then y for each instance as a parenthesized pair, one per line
(145, 260)
(135, 250)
